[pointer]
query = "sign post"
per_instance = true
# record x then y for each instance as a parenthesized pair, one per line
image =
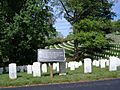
(51, 71)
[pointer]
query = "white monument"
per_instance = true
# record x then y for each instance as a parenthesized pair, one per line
(76, 64)
(94, 62)
(44, 68)
(12, 71)
(112, 64)
(97, 63)
(71, 65)
(87, 65)
(57, 67)
(29, 69)
(54, 66)
(80, 63)
(102, 63)
(36, 69)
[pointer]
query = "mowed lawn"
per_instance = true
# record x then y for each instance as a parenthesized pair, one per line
(72, 76)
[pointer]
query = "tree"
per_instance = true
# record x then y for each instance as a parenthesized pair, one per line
(90, 37)
(26, 29)
(84, 15)
(116, 26)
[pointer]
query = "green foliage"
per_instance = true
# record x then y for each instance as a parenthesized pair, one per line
(24, 30)
(87, 25)
(87, 16)
(91, 39)
(75, 10)
(116, 26)
(55, 41)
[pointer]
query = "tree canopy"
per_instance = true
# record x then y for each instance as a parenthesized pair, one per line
(25, 25)
(90, 19)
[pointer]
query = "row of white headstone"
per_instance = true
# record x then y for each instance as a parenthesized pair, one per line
(36, 69)
(113, 63)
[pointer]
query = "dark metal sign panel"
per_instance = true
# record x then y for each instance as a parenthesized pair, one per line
(51, 55)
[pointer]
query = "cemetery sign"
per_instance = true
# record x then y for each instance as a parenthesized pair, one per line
(51, 55)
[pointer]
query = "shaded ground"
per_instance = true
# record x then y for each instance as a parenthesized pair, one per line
(95, 85)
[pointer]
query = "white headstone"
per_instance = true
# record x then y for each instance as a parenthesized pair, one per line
(62, 68)
(57, 66)
(54, 66)
(87, 65)
(94, 62)
(36, 69)
(102, 63)
(118, 61)
(1, 70)
(44, 68)
(76, 64)
(71, 65)
(29, 69)
(80, 63)
(97, 64)
(112, 64)
(12, 71)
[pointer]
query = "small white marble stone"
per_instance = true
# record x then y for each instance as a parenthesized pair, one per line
(29, 69)
(44, 68)
(112, 64)
(87, 65)
(36, 69)
(12, 71)
(102, 63)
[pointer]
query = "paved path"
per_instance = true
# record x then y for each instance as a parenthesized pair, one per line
(95, 85)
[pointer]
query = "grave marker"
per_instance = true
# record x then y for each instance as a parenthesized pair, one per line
(87, 65)
(36, 69)
(112, 64)
(12, 71)
(29, 69)
(97, 64)
(80, 63)
(44, 68)
(71, 65)
(94, 62)
(102, 63)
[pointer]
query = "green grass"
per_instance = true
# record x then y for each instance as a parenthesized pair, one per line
(72, 76)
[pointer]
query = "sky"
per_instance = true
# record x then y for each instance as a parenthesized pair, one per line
(64, 27)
